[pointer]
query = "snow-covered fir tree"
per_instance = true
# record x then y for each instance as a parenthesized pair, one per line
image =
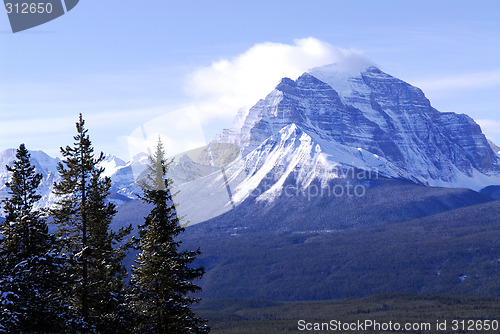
(30, 268)
(162, 279)
(95, 253)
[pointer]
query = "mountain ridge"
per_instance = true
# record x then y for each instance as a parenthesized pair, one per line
(384, 116)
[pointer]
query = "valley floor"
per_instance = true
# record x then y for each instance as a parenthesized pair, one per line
(462, 314)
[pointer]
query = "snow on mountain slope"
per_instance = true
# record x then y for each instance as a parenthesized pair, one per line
(290, 155)
(404, 112)
(494, 147)
(111, 165)
(294, 154)
(123, 175)
(47, 166)
(378, 114)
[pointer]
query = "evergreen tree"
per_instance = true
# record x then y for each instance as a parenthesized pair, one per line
(161, 283)
(94, 252)
(30, 275)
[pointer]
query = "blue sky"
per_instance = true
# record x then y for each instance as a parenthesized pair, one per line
(132, 67)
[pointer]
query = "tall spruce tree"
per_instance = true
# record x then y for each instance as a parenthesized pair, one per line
(30, 268)
(95, 253)
(161, 283)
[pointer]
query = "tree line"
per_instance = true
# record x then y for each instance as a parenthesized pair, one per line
(73, 280)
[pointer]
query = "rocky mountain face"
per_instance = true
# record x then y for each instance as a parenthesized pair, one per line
(377, 122)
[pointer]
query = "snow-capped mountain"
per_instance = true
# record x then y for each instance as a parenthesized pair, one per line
(114, 167)
(184, 168)
(368, 119)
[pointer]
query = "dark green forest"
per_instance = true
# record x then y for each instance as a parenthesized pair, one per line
(259, 316)
(453, 252)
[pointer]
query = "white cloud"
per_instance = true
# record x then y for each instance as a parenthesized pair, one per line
(179, 130)
(230, 84)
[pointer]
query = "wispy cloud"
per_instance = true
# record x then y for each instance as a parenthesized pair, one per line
(218, 91)
(230, 84)
(179, 130)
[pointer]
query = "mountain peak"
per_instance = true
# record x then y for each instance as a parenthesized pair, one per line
(356, 106)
